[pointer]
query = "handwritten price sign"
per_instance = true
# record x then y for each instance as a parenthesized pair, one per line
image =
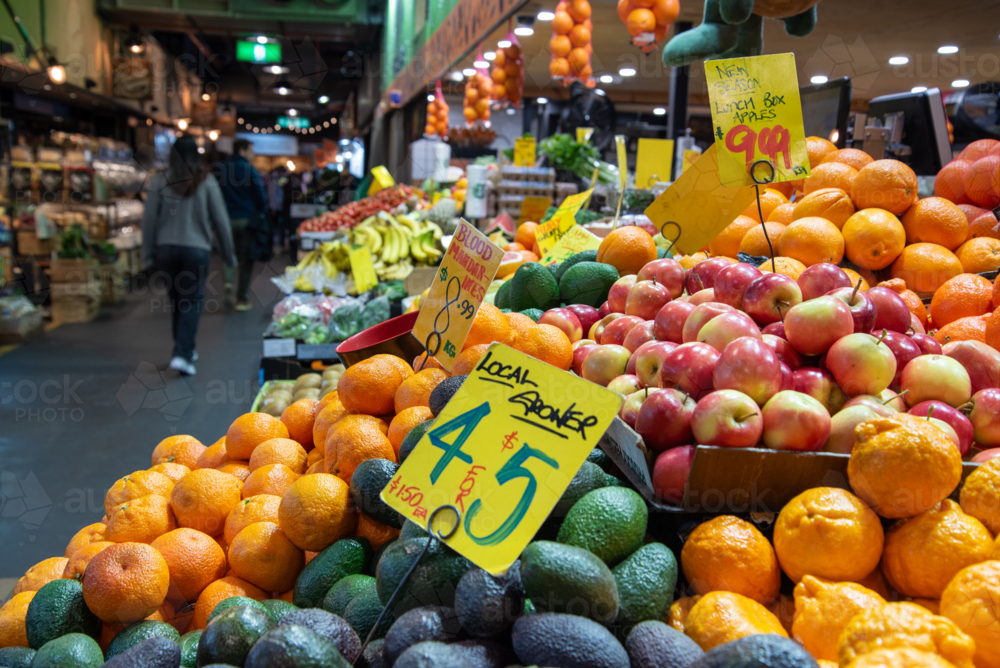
(503, 451)
(757, 116)
(468, 268)
(576, 240)
(552, 230)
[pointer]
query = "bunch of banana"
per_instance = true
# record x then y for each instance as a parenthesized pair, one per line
(424, 249)
(394, 240)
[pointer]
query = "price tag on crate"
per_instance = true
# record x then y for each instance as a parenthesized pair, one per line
(552, 230)
(362, 269)
(279, 348)
(502, 452)
(757, 115)
(653, 161)
(699, 204)
(533, 208)
(524, 152)
(576, 240)
(458, 290)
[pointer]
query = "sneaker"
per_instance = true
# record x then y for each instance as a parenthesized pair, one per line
(243, 306)
(181, 365)
(227, 295)
(194, 356)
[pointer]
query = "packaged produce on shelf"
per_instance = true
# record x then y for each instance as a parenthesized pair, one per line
(571, 43)
(478, 91)
(437, 114)
(352, 213)
(306, 317)
(508, 73)
(648, 23)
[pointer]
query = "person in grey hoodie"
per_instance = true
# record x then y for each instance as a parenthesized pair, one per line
(184, 206)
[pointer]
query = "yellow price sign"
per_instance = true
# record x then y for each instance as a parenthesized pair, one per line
(699, 204)
(549, 232)
(576, 240)
(459, 288)
(653, 160)
(622, 160)
(583, 134)
(524, 152)
(502, 452)
(690, 157)
(381, 179)
(757, 115)
(362, 269)
(533, 208)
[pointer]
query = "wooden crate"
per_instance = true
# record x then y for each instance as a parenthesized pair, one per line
(67, 271)
(29, 244)
(114, 283)
(69, 311)
(90, 289)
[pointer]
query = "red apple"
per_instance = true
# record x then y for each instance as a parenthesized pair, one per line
(771, 296)
(625, 384)
(732, 282)
(985, 417)
(749, 366)
(616, 331)
(947, 429)
(632, 404)
(702, 275)
(775, 329)
(638, 335)
(916, 325)
(630, 368)
(821, 386)
(669, 323)
(862, 308)
(667, 272)
(878, 405)
(813, 326)
(580, 354)
(604, 310)
(727, 418)
(891, 311)
(646, 298)
(689, 368)
(649, 360)
(955, 418)
(597, 329)
(671, 471)
(664, 419)
(936, 377)
(586, 314)
(720, 332)
(795, 421)
(603, 365)
(842, 437)
(929, 346)
(783, 349)
(565, 320)
(699, 318)
(902, 347)
(984, 456)
(861, 364)
(982, 362)
(892, 400)
(618, 294)
(787, 378)
(702, 296)
(819, 279)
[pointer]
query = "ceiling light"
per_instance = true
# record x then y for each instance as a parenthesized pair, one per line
(240, 121)
(256, 129)
(659, 111)
(312, 131)
(490, 55)
(430, 97)
(960, 83)
(542, 100)
(945, 50)
(276, 69)
(523, 31)
(182, 124)
(149, 121)
(282, 90)
(607, 78)
(469, 72)
(136, 48)
(205, 97)
(819, 79)
(57, 73)
(456, 76)
(213, 134)
(599, 91)
(899, 60)
(326, 124)
(546, 16)
(918, 89)
(504, 43)
(481, 64)
(293, 112)
(201, 149)
(333, 121)
(627, 72)
(277, 127)
(511, 111)
(323, 99)
(261, 39)
(290, 165)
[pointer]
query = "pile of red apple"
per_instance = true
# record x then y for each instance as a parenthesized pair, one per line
(726, 355)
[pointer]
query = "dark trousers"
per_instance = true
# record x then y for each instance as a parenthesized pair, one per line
(186, 271)
(241, 244)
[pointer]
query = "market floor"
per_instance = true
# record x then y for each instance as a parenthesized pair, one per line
(86, 404)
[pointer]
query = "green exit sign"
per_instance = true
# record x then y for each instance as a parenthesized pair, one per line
(292, 122)
(254, 52)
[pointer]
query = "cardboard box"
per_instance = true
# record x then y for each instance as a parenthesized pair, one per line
(68, 311)
(29, 244)
(65, 271)
(419, 279)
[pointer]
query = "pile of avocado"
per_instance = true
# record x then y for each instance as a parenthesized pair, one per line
(580, 279)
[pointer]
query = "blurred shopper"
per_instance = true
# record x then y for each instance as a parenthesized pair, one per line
(184, 207)
(246, 200)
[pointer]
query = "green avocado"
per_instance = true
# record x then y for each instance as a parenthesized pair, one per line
(348, 556)
(563, 578)
(610, 522)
